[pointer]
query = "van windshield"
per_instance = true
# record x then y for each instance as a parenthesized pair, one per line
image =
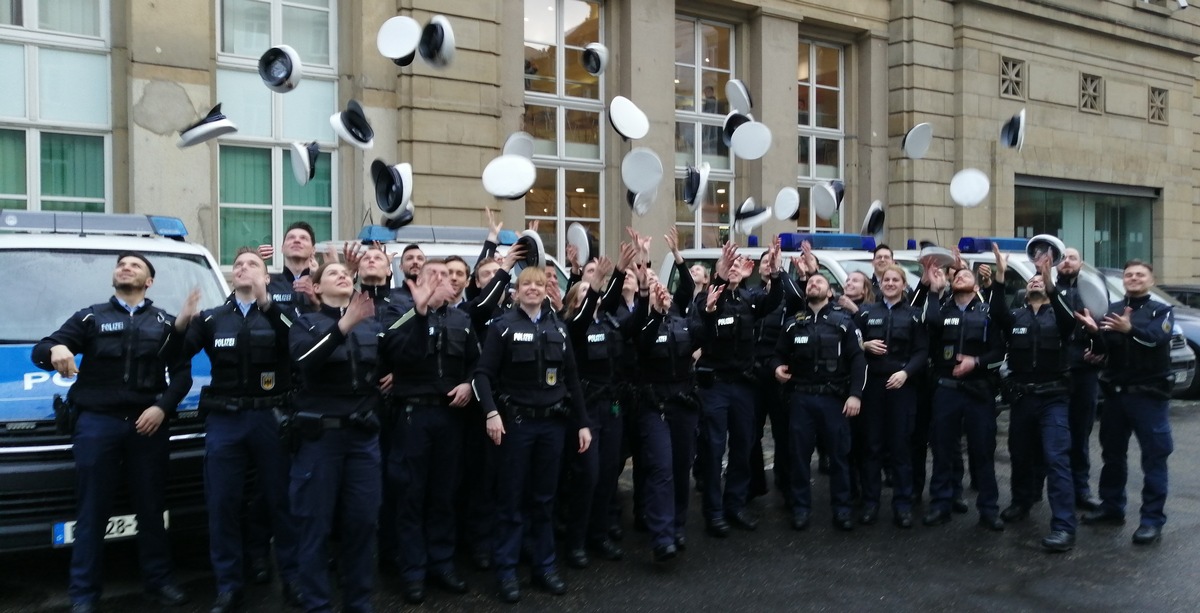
(57, 283)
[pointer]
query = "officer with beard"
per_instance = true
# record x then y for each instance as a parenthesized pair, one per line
(1085, 385)
(966, 349)
(123, 402)
(819, 360)
(1038, 334)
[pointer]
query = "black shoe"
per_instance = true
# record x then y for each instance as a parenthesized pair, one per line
(960, 505)
(83, 607)
(1014, 513)
(843, 522)
(903, 519)
(577, 558)
(663, 553)
(1103, 516)
(227, 602)
(1146, 534)
(1087, 503)
(482, 560)
(450, 581)
(260, 570)
(1059, 541)
(615, 532)
(551, 582)
(742, 519)
(510, 591)
(607, 549)
(869, 516)
(680, 541)
(413, 592)
(168, 595)
(292, 594)
(936, 518)
(992, 522)
(717, 527)
(799, 520)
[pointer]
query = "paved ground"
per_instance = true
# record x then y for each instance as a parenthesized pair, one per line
(954, 567)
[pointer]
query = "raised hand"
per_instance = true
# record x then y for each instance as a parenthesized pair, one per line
(352, 253)
(515, 254)
(627, 257)
(266, 251)
(494, 225)
(710, 301)
(1118, 323)
(361, 308)
(672, 239)
(1089, 324)
(573, 258)
(1001, 261)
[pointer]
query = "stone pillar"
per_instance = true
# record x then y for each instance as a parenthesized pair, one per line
(770, 67)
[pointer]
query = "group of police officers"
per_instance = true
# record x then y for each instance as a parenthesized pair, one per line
(451, 412)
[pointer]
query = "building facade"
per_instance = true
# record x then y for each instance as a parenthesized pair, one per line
(97, 90)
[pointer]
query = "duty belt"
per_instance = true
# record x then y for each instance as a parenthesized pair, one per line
(822, 389)
(430, 400)
(558, 409)
(978, 388)
(1160, 391)
(362, 420)
(235, 404)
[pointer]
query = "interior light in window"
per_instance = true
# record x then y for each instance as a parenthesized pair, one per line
(721, 191)
(705, 60)
(579, 190)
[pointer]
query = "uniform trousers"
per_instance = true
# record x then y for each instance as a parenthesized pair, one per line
(425, 466)
(1146, 418)
(667, 448)
(955, 412)
(813, 417)
(1039, 428)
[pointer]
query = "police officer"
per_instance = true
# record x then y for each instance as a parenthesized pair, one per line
(1038, 334)
(727, 388)
(819, 361)
(966, 350)
(336, 468)
(246, 340)
(292, 288)
(527, 384)
(1137, 381)
(897, 349)
(434, 351)
(123, 402)
(668, 415)
(1085, 385)
(601, 340)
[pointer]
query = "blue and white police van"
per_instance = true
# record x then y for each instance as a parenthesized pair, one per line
(56, 264)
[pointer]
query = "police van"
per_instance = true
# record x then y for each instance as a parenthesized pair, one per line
(59, 263)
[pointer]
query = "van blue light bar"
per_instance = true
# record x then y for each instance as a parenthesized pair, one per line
(975, 244)
(791, 241)
(171, 227)
(376, 234)
(507, 237)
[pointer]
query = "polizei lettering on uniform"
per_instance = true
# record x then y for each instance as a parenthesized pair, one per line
(725, 321)
(523, 337)
(951, 321)
(115, 326)
(225, 342)
(596, 338)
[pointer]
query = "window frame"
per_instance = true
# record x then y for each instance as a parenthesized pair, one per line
(699, 121)
(277, 144)
(808, 135)
(33, 40)
(561, 162)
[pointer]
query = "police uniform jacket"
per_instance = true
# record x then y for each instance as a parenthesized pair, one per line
(729, 346)
(1038, 340)
(282, 293)
(969, 331)
(666, 343)
(1080, 340)
(1143, 356)
(249, 353)
(125, 359)
(491, 302)
(431, 354)
(823, 348)
(338, 373)
(531, 363)
(901, 327)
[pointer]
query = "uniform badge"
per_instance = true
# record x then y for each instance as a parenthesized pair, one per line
(948, 353)
(551, 376)
(267, 380)
(1167, 326)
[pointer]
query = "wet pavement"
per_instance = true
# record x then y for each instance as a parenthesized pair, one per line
(959, 566)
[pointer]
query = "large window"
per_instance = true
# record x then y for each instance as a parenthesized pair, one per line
(258, 196)
(55, 117)
(704, 61)
(820, 120)
(564, 108)
(1107, 228)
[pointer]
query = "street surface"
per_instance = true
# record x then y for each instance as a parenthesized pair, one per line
(959, 567)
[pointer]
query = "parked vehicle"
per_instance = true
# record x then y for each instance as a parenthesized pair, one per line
(64, 262)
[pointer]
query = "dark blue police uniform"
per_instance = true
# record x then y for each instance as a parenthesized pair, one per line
(592, 483)
(888, 414)
(336, 469)
(251, 379)
(963, 403)
(431, 355)
(726, 381)
(1137, 381)
(823, 353)
(1037, 390)
(1084, 392)
(127, 350)
(527, 373)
